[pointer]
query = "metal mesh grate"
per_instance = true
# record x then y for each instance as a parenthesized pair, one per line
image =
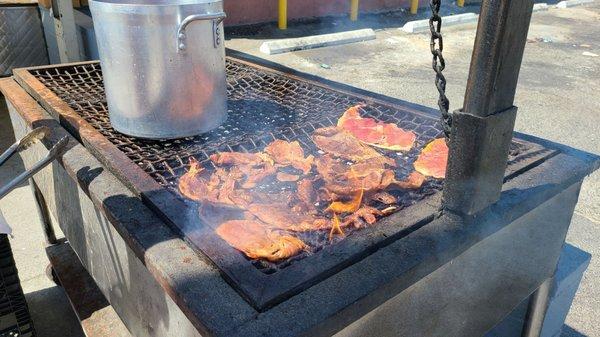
(262, 106)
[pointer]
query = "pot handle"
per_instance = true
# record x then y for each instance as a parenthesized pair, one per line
(216, 18)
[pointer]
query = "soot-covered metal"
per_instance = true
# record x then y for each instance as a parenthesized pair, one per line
(266, 102)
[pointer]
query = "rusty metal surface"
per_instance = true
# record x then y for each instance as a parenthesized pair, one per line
(97, 317)
(267, 103)
(157, 267)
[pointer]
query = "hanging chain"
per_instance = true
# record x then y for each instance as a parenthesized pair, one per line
(437, 46)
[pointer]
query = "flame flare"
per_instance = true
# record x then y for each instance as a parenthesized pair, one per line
(336, 228)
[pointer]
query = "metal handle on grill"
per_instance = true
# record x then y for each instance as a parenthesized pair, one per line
(55, 151)
(24, 143)
(216, 18)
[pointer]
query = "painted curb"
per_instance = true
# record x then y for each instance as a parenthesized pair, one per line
(572, 3)
(316, 41)
(451, 20)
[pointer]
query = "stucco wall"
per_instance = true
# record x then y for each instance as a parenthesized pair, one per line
(254, 11)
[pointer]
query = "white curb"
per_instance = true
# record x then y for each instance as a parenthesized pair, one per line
(316, 41)
(540, 7)
(451, 20)
(571, 3)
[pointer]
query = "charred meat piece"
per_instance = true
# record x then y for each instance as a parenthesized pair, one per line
(383, 197)
(433, 159)
(306, 192)
(289, 154)
(345, 180)
(414, 181)
(343, 144)
(195, 186)
(383, 135)
(254, 175)
(287, 177)
(240, 158)
(281, 216)
(257, 241)
(365, 214)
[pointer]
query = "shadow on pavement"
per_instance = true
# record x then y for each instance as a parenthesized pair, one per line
(48, 319)
(14, 166)
(567, 331)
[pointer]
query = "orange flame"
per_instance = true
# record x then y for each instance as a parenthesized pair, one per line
(347, 207)
(336, 227)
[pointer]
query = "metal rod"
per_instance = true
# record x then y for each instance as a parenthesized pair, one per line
(353, 10)
(414, 6)
(536, 313)
(43, 213)
(282, 23)
(54, 152)
(482, 131)
(497, 55)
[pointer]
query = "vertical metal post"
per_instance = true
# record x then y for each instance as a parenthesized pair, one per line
(414, 6)
(67, 40)
(282, 23)
(353, 10)
(482, 131)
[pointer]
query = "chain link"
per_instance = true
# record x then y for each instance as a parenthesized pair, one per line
(438, 64)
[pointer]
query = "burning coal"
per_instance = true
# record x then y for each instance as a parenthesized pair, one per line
(268, 202)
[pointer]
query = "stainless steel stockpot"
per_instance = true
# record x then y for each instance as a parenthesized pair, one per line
(163, 63)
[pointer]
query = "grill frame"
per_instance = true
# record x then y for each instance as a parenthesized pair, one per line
(262, 291)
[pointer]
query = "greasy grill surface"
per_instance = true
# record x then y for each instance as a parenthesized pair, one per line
(262, 107)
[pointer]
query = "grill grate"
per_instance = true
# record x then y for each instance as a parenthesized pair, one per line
(262, 106)
(266, 102)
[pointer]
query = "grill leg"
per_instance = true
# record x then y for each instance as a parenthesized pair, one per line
(538, 304)
(44, 215)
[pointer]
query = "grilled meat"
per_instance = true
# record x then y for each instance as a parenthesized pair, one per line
(195, 186)
(287, 177)
(383, 197)
(290, 154)
(364, 214)
(257, 241)
(343, 179)
(279, 215)
(433, 159)
(414, 181)
(240, 158)
(343, 144)
(383, 135)
(254, 175)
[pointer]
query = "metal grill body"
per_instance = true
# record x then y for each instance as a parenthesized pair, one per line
(266, 102)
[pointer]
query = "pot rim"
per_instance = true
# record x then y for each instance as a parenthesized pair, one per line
(152, 3)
